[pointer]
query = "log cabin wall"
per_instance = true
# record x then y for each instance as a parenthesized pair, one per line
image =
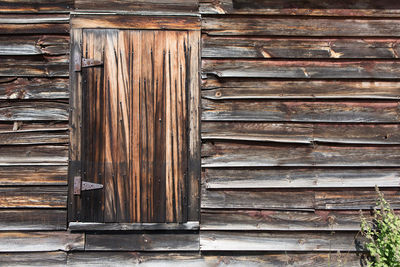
(300, 116)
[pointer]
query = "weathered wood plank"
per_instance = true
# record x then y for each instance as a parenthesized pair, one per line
(354, 200)
(33, 175)
(34, 19)
(228, 154)
(305, 133)
(261, 241)
(139, 5)
(300, 27)
(17, 259)
(267, 199)
(194, 259)
(34, 45)
(8, 29)
(28, 68)
(32, 219)
(33, 111)
(40, 241)
(33, 155)
(34, 88)
(232, 88)
(168, 241)
(239, 47)
(364, 8)
(33, 137)
(300, 111)
(33, 197)
(36, 6)
(300, 178)
(275, 220)
(90, 226)
(302, 69)
(135, 22)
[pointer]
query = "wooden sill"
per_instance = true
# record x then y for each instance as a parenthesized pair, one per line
(92, 226)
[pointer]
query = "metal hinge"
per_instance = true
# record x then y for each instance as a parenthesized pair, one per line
(80, 185)
(80, 62)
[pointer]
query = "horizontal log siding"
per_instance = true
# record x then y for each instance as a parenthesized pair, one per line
(300, 114)
(34, 52)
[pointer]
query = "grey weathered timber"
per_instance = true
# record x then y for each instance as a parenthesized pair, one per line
(39, 155)
(302, 69)
(267, 199)
(245, 47)
(167, 241)
(301, 111)
(40, 241)
(33, 175)
(263, 241)
(33, 68)
(305, 133)
(88, 226)
(300, 178)
(33, 219)
(40, 259)
(355, 8)
(34, 111)
(182, 259)
(229, 154)
(35, 88)
(301, 27)
(34, 137)
(236, 88)
(33, 197)
(276, 220)
(34, 45)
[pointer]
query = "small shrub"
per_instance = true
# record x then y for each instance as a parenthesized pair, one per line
(382, 234)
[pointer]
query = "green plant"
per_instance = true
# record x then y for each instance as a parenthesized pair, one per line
(382, 235)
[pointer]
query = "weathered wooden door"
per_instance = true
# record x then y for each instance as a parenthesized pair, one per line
(134, 135)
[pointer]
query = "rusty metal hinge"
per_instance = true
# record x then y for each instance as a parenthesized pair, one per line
(81, 62)
(80, 185)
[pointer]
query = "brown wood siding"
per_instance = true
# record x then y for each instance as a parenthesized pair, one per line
(300, 110)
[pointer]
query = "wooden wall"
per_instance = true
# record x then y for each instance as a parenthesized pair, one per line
(300, 112)
(300, 121)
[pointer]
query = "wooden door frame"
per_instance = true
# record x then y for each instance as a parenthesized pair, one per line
(191, 24)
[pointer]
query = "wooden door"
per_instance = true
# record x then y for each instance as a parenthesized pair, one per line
(134, 135)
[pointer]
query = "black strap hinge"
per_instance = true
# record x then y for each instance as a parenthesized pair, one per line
(80, 185)
(80, 62)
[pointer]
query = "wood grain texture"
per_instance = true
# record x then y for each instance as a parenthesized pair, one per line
(246, 47)
(301, 111)
(33, 219)
(304, 133)
(168, 241)
(139, 5)
(266, 199)
(135, 22)
(33, 155)
(24, 68)
(33, 197)
(229, 154)
(262, 241)
(40, 241)
(34, 88)
(38, 6)
(190, 259)
(363, 8)
(300, 178)
(276, 220)
(321, 27)
(33, 24)
(34, 137)
(15, 259)
(34, 45)
(237, 88)
(301, 69)
(33, 111)
(33, 175)
(88, 226)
